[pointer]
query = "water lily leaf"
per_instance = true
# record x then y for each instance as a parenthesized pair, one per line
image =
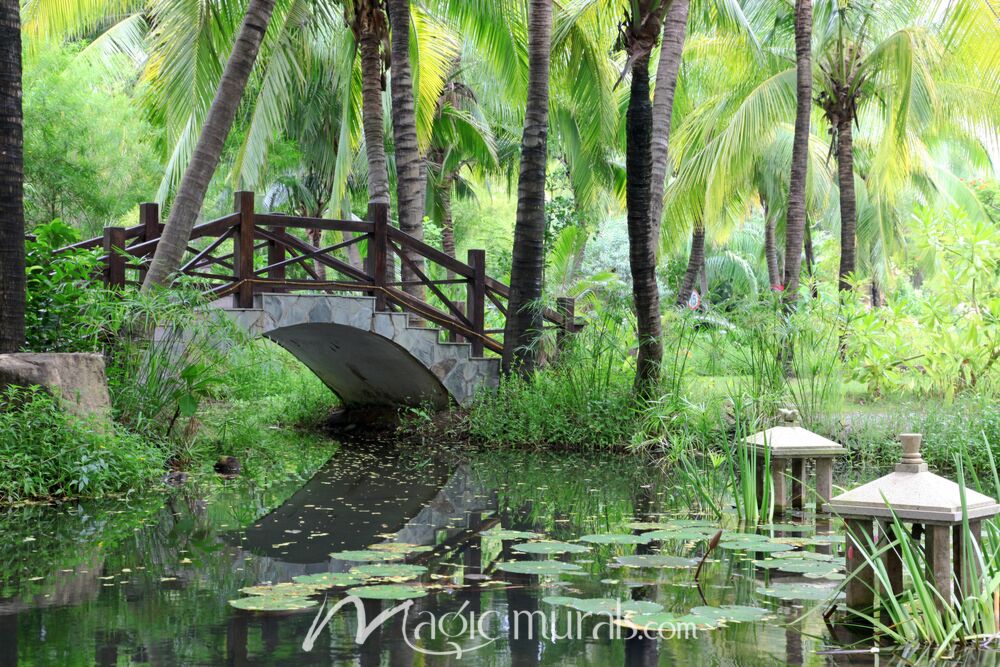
(616, 538)
(297, 590)
(606, 606)
(798, 591)
(273, 603)
(755, 546)
(650, 525)
(550, 548)
(809, 555)
(540, 567)
(655, 560)
(732, 613)
(685, 534)
(327, 579)
(503, 534)
(668, 624)
(400, 548)
(829, 576)
(394, 570)
(388, 592)
(789, 527)
(366, 556)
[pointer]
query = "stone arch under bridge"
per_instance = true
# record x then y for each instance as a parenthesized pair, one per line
(367, 357)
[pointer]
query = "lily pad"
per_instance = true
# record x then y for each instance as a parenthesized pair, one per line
(616, 538)
(668, 624)
(540, 567)
(273, 603)
(327, 579)
(550, 548)
(732, 613)
(789, 527)
(297, 590)
(656, 560)
(394, 570)
(388, 592)
(400, 548)
(757, 546)
(685, 533)
(798, 591)
(606, 606)
(649, 525)
(503, 534)
(366, 556)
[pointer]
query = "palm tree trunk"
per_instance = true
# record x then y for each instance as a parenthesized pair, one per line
(447, 220)
(796, 222)
(771, 250)
(208, 151)
(524, 320)
(674, 28)
(848, 201)
(411, 166)
(810, 260)
(642, 249)
(316, 238)
(696, 261)
(11, 181)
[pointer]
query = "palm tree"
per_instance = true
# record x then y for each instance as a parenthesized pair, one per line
(674, 28)
(411, 165)
(641, 31)
(11, 181)
(368, 23)
(796, 221)
(208, 151)
(524, 321)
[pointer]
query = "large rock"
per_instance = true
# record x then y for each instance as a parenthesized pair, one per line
(78, 379)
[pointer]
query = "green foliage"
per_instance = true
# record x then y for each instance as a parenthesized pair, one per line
(88, 151)
(583, 400)
(48, 453)
(64, 310)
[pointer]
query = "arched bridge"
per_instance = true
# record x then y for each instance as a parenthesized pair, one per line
(374, 335)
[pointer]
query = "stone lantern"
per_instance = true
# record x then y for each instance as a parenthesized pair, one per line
(791, 442)
(918, 497)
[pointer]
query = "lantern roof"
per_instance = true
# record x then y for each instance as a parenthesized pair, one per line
(791, 440)
(913, 493)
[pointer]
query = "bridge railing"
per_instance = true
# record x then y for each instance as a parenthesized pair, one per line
(247, 253)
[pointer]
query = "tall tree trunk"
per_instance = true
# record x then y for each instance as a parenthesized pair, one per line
(674, 28)
(369, 30)
(524, 319)
(696, 260)
(642, 249)
(316, 238)
(796, 221)
(447, 220)
(771, 250)
(848, 200)
(810, 261)
(876, 292)
(411, 166)
(208, 151)
(11, 181)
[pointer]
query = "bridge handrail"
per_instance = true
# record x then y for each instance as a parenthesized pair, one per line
(132, 248)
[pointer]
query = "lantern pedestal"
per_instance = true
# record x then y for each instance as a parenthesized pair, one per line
(933, 506)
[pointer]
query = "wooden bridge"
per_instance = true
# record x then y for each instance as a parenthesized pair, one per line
(273, 278)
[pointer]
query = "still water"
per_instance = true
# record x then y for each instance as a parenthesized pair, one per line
(150, 579)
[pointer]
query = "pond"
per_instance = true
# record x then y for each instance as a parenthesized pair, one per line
(494, 561)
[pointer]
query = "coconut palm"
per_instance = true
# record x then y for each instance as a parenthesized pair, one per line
(524, 320)
(796, 221)
(11, 181)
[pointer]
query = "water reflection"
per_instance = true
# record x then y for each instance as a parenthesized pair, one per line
(147, 581)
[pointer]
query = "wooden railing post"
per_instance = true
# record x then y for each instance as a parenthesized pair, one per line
(149, 220)
(275, 255)
(566, 306)
(243, 251)
(114, 244)
(476, 299)
(376, 263)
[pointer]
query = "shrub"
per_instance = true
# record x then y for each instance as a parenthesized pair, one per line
(47, 452)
